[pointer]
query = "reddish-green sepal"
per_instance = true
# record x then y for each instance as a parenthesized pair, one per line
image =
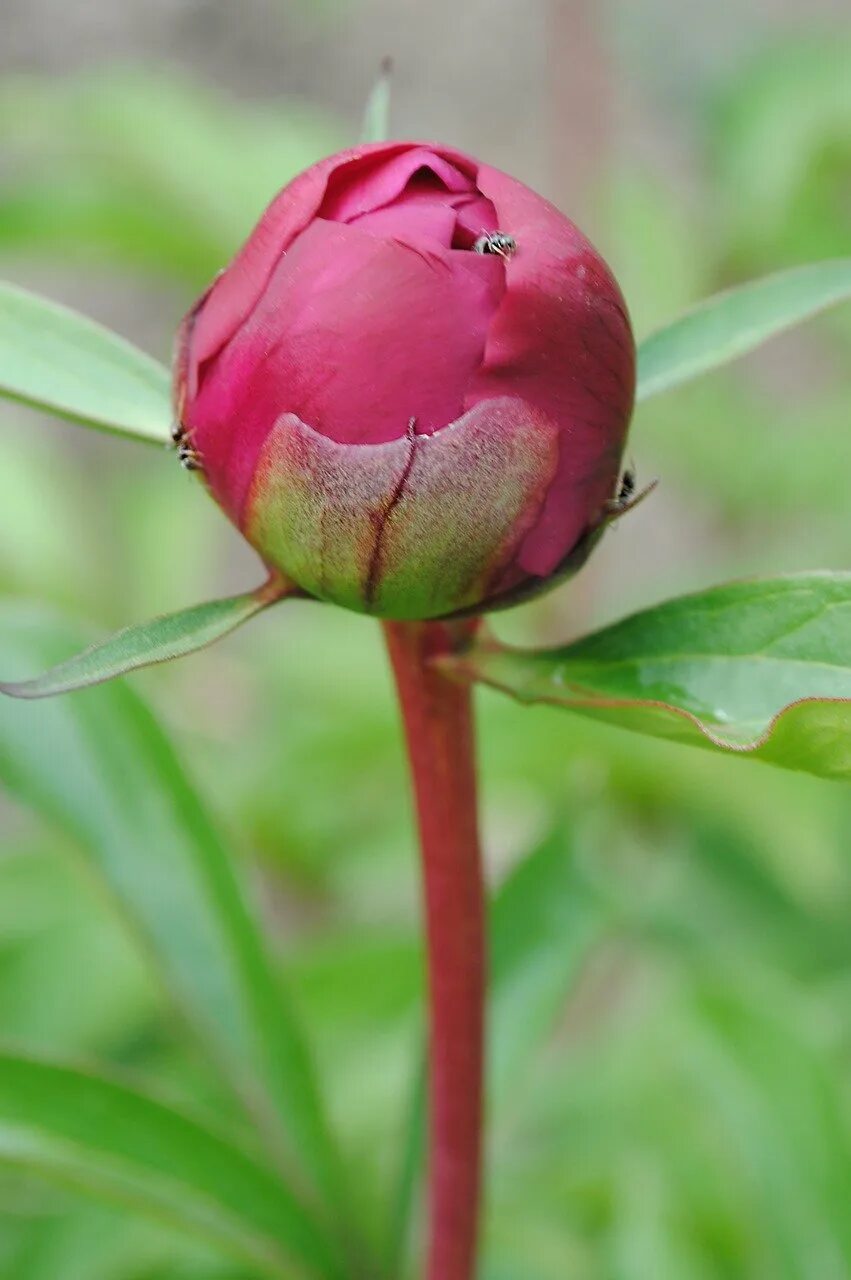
(420, 527)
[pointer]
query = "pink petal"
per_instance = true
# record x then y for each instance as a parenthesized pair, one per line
(356, 336)
(476, 217)
(239, 287)
(377, 180)
(426, 223)
(561, 341)
(468, 217)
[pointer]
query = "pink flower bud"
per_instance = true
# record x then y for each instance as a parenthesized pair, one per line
(410, 389)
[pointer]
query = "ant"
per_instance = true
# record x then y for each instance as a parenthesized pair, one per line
(497, 242)
(188, 457)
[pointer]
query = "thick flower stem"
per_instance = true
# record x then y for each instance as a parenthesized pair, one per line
(438, 724)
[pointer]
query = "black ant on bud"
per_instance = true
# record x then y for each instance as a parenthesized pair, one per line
(626, 497)
(497, 242)
(188, 457)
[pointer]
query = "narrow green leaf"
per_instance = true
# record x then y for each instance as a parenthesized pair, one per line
(761, 668)
(376, 116)
(736, 321)
(170, 636)
(54, 359)
(102, 770)
(103, 1138)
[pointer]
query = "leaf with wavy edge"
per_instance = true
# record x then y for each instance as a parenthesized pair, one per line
(760, 668)
(730, 324)
(170, 636)
(54, 359)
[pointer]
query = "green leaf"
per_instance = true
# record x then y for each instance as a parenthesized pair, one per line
(760, 668)
(54, 359)
(101, 1137)
(170, 636)
(102, 770)
(376, 116)
(736, 321)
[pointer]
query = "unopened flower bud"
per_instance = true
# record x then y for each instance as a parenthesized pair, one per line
(410, 390)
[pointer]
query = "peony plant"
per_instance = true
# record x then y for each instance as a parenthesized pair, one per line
(410, 393)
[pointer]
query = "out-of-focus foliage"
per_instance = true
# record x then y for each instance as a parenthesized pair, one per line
(781, 151)
(120, 793)
(672, 1025)
(147, 170)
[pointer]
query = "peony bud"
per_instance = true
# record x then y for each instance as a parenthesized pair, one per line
(410, 389)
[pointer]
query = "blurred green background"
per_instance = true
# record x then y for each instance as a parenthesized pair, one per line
(671, 1085)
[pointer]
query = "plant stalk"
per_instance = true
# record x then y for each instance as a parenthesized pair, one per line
(438, 722)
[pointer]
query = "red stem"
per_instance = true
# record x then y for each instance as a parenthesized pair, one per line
(438, 724)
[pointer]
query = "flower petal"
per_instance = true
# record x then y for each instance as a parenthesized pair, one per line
(376, 180)
(341, 306)
(561, 341)
(476, 217)
(423, 216)
(241, 284)
(420, 223)
(383, 166)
